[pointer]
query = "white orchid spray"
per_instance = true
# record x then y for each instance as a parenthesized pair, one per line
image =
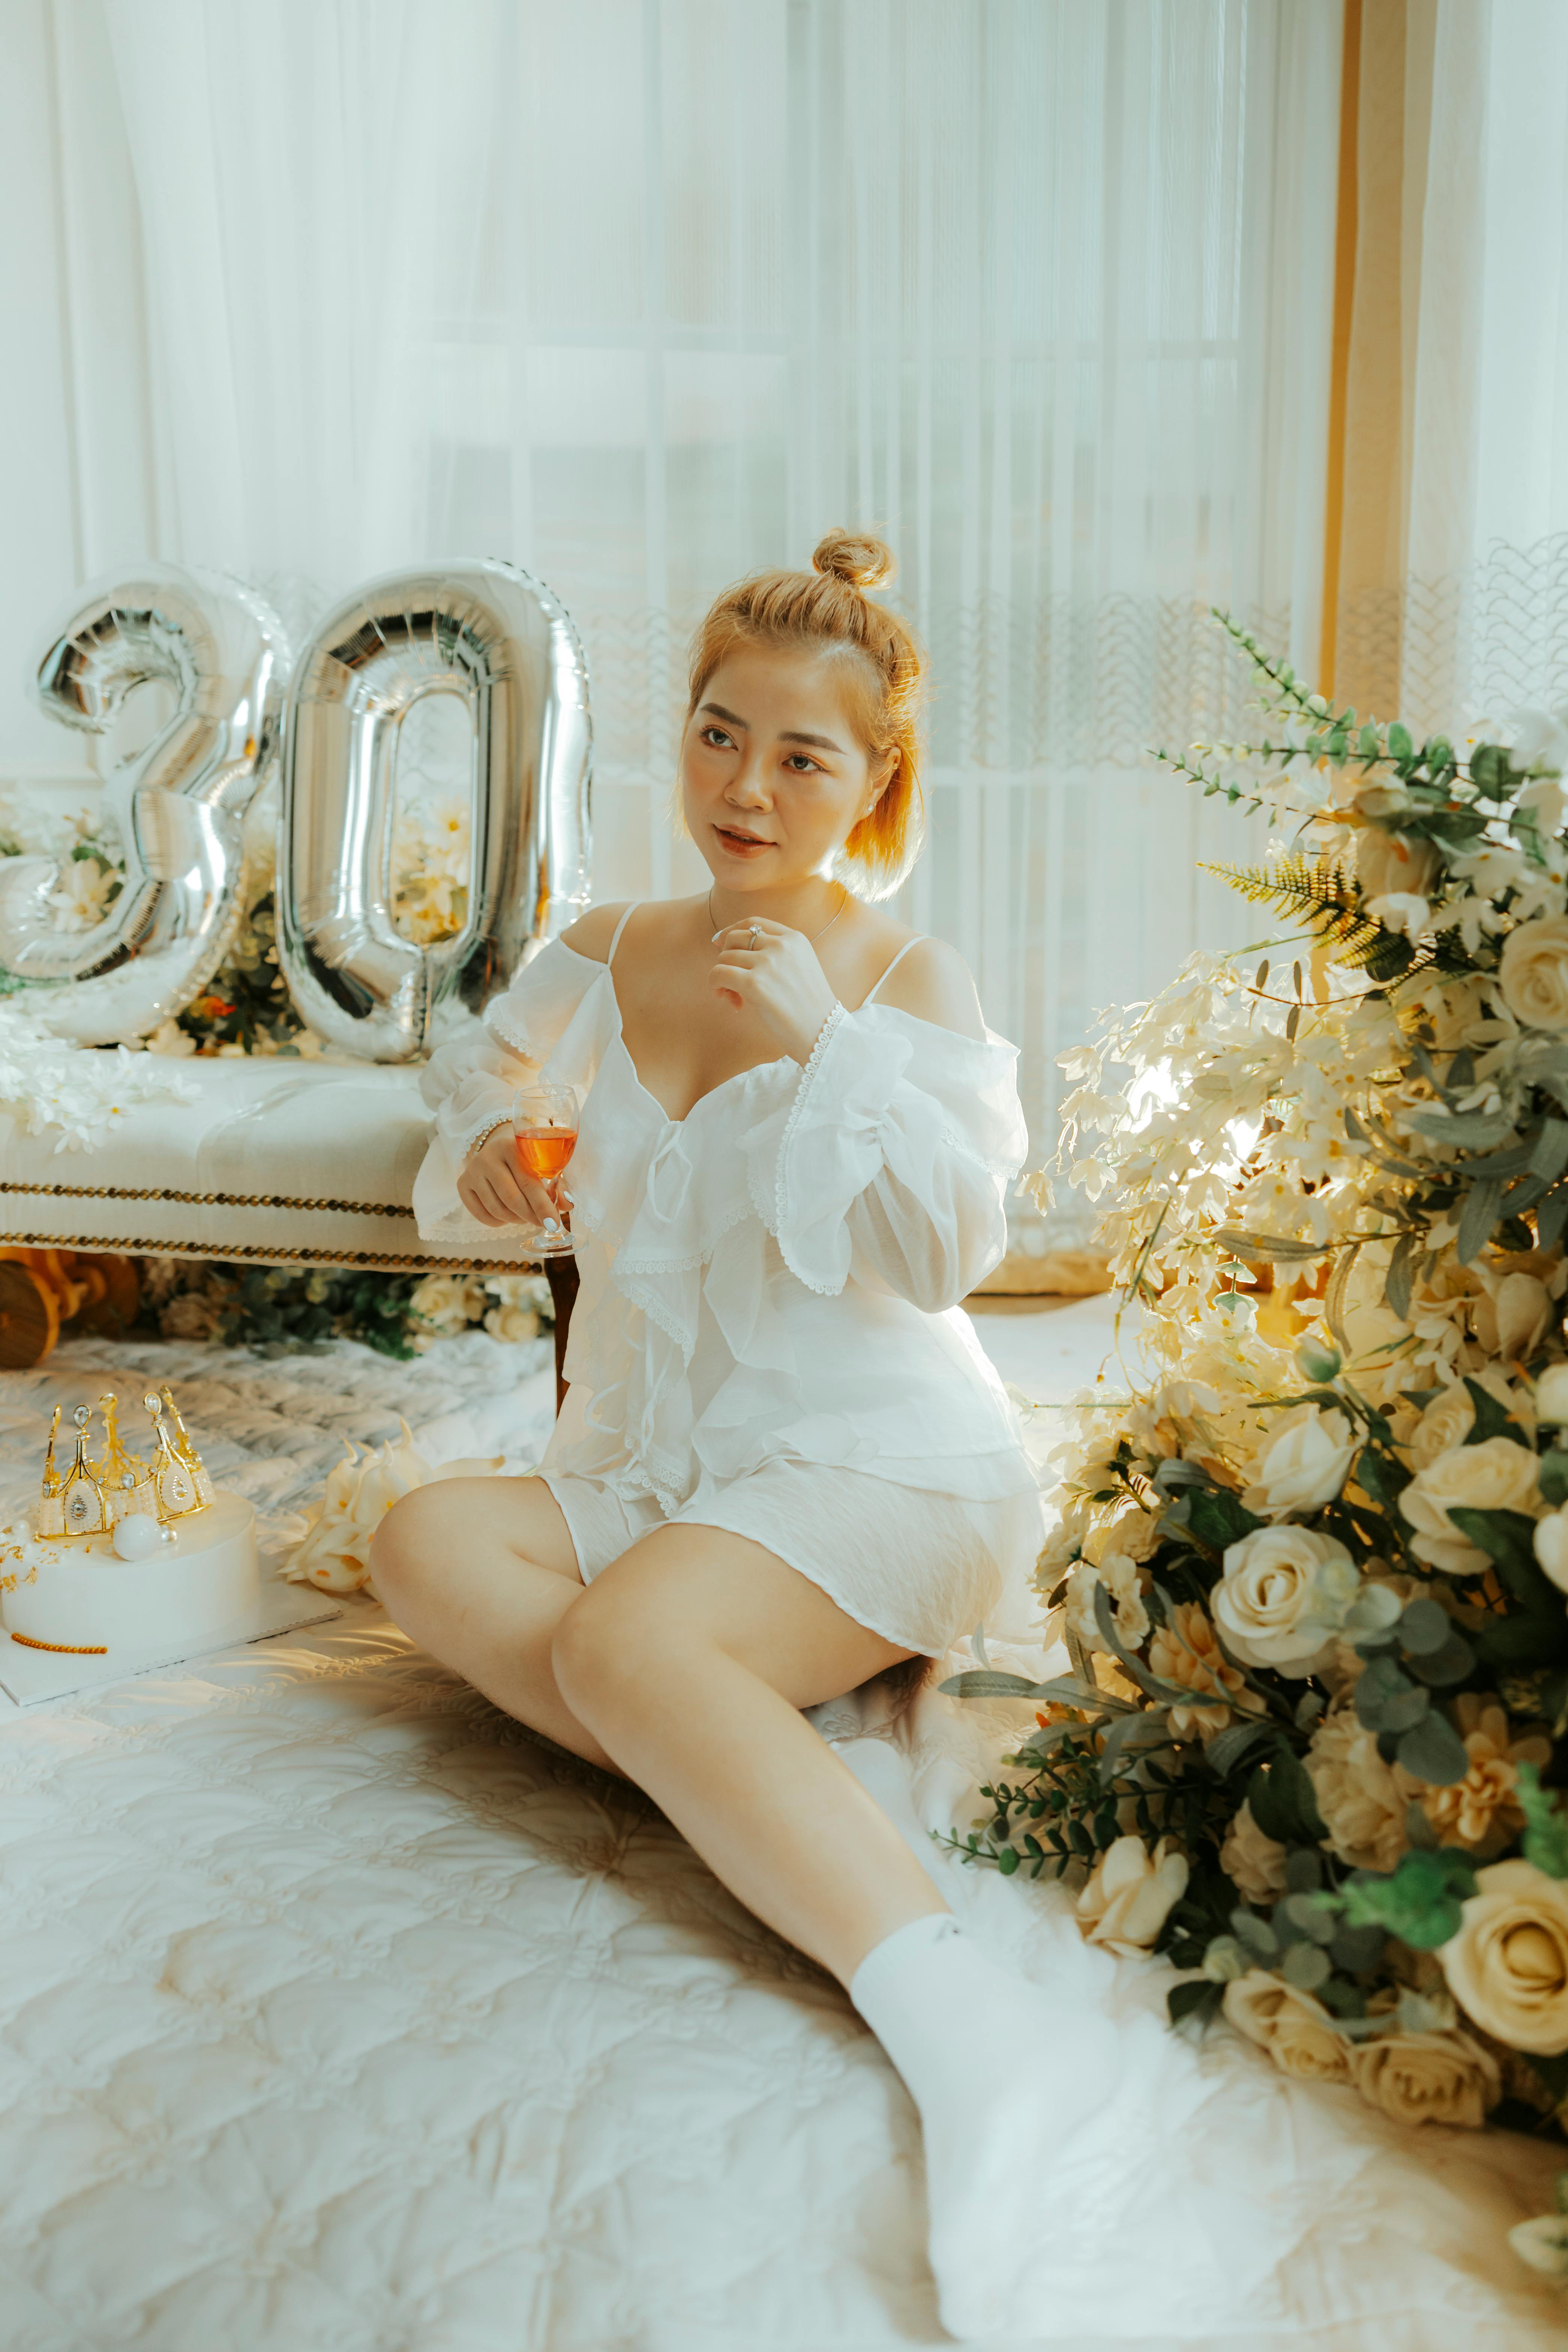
(1312, 1565)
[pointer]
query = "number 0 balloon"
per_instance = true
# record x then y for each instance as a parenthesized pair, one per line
(489, 633)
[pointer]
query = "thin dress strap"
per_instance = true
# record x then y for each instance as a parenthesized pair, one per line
(621, 926)
(894, 965)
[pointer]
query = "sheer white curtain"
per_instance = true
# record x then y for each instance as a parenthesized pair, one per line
(644, 293)
(1486, 610)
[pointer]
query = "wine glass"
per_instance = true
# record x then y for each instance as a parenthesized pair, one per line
(544, 1133)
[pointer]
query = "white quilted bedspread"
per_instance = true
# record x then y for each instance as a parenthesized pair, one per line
(337, 2011)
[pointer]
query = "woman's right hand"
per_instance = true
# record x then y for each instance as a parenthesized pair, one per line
(492, 1187)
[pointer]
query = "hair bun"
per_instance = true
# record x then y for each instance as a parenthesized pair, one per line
(851, 556)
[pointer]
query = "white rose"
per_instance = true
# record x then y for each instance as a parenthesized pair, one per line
(1297, 2031)
(1552, 1395)
(1308, 1456)
(1285, 1593)
(1390, 862)
(1533, 972)
(1427, 2078)
(1508, 1966)
(1496, 1475)
(1130, 1896)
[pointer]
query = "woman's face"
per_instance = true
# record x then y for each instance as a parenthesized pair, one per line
(774, 777)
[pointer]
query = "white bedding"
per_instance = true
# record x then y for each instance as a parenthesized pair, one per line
(337, 2011)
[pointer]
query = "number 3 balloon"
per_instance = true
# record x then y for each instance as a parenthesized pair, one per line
(488, 632)
(177, 807)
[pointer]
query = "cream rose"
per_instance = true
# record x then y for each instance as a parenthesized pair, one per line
(1297, 2031)
(1447, 1423)
(1533, 972)
(1496, 1475)
(1390, 861)
(1130, 1893)
(511, 1323)
(1363, 1805)
(1309, 1453)
(1252, 1861)
(448, 1303)
(191, 1316)
(1552, 1545)
(1552, 1395)
(1510, 1316)
(1284, 1595)
(1508, 1966)
(1427, 2078)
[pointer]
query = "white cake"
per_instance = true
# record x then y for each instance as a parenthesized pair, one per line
(193, 1580)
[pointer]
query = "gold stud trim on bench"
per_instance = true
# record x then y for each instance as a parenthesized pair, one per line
(206, 1199)
(389, 1261)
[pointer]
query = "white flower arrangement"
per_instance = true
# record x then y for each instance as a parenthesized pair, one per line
(1313, 1569)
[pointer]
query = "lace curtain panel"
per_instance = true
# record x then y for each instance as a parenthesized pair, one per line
(642, 294)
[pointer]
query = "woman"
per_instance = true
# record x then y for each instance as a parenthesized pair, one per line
(783, 1466)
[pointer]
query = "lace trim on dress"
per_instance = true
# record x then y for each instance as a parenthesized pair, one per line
(808, 1072)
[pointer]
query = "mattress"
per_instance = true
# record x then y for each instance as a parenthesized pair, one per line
(339, 2012)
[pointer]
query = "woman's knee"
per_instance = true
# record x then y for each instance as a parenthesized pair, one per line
(408, 1545)
(610, 1643)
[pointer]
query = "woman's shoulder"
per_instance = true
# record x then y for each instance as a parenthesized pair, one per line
(930, 980)
(592, 933)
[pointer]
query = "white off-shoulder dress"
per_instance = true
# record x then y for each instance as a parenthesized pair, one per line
(767, 1337)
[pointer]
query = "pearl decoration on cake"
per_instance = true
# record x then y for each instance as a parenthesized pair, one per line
(136, 1537)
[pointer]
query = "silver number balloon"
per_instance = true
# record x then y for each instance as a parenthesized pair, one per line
(177, 806)
(488, 632)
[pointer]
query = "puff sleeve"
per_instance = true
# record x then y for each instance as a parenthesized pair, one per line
(892, 1161)
(470, 1082)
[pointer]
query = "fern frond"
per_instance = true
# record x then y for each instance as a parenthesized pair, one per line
(1314, 893)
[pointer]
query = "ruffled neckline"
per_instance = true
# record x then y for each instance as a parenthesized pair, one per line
(737, 1078)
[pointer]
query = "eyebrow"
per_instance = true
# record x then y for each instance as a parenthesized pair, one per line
(789, 735)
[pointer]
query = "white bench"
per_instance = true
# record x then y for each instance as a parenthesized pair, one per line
(278, 1162)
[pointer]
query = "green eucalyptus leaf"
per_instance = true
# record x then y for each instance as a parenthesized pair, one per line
(1255, 1932)
(1442, 1669)
(1357, 1949)
(1432, 1750)
(1226, 1750)
(1311, 1916)
(1376, 1610)
(1283, 1801)
(1423, 1627)
(1400, 746)
(1306, 1966)
(1195, 1997)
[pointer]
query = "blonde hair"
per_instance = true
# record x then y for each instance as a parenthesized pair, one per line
(828, 608)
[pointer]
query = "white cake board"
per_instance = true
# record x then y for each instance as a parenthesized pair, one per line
(32, 1677)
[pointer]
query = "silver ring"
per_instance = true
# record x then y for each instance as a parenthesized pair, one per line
(756, 935)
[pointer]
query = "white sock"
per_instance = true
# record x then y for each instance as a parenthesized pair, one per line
(1002, 2079)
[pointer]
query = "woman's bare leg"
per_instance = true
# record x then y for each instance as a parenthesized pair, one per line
(479, 1572)
(689, 1660)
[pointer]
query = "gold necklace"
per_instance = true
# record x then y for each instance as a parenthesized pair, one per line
(714, 919)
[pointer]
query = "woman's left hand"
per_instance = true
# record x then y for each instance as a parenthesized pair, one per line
(778, 978)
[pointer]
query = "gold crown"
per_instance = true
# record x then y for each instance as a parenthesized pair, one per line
(93, 1496)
